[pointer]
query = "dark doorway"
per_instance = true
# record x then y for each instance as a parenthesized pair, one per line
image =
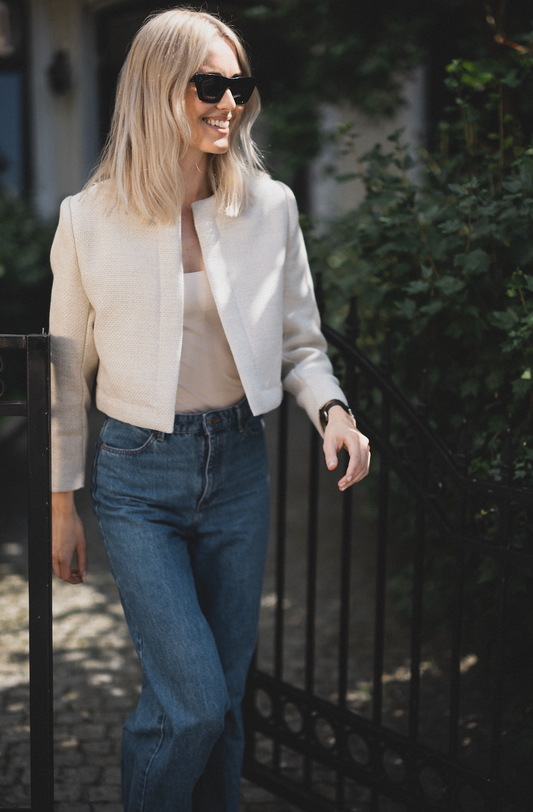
(14, 164)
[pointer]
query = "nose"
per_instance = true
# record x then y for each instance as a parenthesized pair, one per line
(227, 102)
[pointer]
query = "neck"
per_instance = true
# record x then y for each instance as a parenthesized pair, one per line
(194, 167)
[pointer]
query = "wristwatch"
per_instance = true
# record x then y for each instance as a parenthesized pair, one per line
(323, 414)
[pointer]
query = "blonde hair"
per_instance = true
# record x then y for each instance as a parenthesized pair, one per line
(150, 130)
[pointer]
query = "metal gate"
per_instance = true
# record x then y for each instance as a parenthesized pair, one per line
(36, 410)
(368, 763)
(321, 753)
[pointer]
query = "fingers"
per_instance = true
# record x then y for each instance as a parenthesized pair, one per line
(63, 560)
(358, 449)
(68, 541)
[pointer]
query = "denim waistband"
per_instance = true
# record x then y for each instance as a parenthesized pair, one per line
(215, 420)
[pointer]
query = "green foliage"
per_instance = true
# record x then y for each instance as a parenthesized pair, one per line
(25, 276)
(441, 252)
(331, 51)
(305, 54)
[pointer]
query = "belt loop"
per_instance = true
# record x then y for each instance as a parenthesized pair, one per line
(240, 417)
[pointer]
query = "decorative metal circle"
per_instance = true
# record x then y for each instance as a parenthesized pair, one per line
(324, 733)
(1, 388)
(263, 703)
(431, 783)
(471, 800)
(292, 716)
(358, 749)
(394, 766)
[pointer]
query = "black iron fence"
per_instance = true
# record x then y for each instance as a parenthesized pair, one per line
(440, 719)
(36, 409)
(433, 723)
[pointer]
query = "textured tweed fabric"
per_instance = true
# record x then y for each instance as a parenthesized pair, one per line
(117, 312)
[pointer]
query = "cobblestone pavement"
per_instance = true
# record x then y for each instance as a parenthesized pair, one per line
(96, 674)
(96, 671)
(97, 682)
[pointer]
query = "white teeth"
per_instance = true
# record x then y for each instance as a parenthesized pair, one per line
(223, 125)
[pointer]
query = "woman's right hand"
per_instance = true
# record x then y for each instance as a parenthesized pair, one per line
(68, 537)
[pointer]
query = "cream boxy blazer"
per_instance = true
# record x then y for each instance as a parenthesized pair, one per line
(117, 309)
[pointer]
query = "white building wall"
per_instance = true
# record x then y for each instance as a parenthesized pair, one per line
(330, 198)
(63, 127)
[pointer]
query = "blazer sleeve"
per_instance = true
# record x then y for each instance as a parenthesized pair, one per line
(306, 369)
(74, 359)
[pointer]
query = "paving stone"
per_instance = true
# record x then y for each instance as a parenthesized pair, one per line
(67, 758)
(65, 718)
(68, 792)
(72, 807)
(97, 748)
(89, 732)
(103, 793)
(111, 775)
(82, 775)
(250, 793)
(104, 761)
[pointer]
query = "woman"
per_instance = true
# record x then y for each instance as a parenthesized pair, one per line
(180, 274)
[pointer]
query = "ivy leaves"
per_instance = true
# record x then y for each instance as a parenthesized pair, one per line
(444, 257)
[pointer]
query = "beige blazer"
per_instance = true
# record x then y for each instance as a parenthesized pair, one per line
(117, 308)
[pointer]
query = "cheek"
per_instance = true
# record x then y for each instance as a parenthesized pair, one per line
(237, 114)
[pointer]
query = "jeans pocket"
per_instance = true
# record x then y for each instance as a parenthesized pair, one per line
(254, 426)
(117, 437)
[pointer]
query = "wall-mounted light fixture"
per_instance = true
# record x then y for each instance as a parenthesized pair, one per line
(6, 40)
(60, 73)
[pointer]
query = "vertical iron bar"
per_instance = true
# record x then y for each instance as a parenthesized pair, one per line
(381, 568)
(417, 597)
(312, 546)
(455, 665)
(40, 574)
(281, 528)
(381, 560)
(457, 621)
(498, 665)
(344, 618)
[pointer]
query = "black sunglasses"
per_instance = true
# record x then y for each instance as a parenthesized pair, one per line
(211, 87)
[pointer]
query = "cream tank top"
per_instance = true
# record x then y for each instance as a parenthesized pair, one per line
(208, 376)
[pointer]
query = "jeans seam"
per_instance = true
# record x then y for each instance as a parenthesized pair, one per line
(202, 497)
(157, 749)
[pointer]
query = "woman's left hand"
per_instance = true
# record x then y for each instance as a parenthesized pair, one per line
(341, 432)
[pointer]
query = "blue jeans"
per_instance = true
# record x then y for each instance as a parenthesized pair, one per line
(184, 519)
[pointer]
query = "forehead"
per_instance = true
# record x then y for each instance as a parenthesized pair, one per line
(221, 58)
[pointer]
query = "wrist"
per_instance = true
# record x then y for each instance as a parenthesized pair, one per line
(63, 501)
(334, 407)
(337, 413)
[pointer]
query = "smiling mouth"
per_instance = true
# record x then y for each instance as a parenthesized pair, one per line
(218, 124)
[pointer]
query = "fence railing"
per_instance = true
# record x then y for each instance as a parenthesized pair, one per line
(460, 548)
(36, 409)
(325, 753)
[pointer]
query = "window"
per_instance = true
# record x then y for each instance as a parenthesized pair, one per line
(13, 131)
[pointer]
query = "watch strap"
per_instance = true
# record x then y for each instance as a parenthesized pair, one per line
(324, 411)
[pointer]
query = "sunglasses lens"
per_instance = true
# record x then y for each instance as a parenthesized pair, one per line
(242, 88)
(211, 88)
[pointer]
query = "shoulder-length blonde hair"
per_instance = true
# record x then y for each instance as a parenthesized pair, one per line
(150, 130)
